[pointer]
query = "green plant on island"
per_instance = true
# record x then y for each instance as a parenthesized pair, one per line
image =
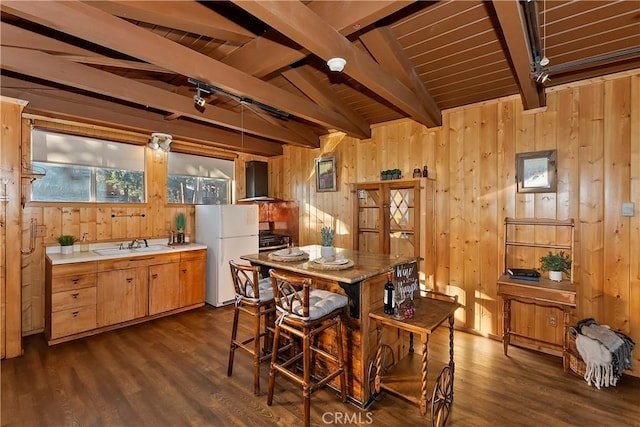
(327, 234)
(66, 240)
(181, 221)
(560, 261)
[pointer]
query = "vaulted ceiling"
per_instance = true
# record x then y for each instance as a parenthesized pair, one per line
(133, 64)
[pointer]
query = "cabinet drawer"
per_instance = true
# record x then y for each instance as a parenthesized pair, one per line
(73, 299)
(74, 269)
(72, 321)
(67, 283)
(191, 255)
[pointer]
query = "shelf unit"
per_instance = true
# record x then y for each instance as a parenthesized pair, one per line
(542, 222)
(395, 217)
(543, 293)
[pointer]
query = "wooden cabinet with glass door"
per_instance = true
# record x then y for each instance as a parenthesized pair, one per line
(395, 217)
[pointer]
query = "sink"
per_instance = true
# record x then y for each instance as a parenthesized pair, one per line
(112, 251)
(152, 248)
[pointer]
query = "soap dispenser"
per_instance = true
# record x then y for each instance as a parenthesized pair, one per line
(84, 246)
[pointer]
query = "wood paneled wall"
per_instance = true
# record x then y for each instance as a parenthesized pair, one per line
(96, 220)
(594, 126)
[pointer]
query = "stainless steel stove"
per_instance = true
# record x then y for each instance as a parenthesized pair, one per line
(270, 241)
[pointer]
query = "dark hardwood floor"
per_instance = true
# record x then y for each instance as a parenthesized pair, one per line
(172, 372)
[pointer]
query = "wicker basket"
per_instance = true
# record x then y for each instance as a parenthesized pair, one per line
(576, 364)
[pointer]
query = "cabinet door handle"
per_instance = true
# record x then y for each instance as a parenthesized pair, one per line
(142, 259)
(75, 281)
(75, 313)
(154, 276)
(75, 295)
(184, 270)
(129, 279)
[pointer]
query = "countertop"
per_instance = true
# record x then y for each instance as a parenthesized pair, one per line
(158, 246)
(366, 264)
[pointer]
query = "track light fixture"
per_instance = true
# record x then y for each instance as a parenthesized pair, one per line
(198, 99)
(206, 88)
(160, 141)
(542, 77)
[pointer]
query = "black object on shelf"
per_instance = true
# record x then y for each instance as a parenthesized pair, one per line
(523, 272)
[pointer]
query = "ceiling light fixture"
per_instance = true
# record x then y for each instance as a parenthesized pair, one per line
(161, 141)
(336, 64)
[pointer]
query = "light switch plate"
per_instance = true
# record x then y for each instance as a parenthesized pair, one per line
(628, 209)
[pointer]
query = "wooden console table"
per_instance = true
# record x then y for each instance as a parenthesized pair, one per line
(544, 293)
(409, 377)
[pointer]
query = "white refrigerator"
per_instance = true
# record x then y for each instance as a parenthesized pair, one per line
(229, 231)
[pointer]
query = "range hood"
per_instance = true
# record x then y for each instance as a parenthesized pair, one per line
(257, 182)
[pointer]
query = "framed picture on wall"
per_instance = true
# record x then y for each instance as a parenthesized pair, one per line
(536, 171)
(326, 174)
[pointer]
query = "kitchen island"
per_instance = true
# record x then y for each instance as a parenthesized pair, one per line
(363, 283)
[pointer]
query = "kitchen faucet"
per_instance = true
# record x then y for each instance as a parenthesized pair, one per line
(135, 244)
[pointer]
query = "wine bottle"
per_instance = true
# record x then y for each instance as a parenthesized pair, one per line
(389, 290)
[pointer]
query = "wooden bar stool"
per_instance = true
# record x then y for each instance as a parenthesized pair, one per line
(254, 296)
(304, 313)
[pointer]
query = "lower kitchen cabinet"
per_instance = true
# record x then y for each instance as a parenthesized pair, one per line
(86, 298)
(193, 266)
(121, 296)
(164, 291)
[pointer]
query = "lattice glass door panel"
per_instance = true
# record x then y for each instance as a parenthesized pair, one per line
(401, 221)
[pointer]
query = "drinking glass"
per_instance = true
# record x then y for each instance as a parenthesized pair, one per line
(399, 297)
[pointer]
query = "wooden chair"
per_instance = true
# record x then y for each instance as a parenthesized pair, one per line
(254, 296)
(304, 313)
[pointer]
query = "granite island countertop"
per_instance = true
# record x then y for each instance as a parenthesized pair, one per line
(365, 264)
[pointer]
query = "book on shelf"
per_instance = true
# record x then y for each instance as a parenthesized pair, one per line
(527, 278)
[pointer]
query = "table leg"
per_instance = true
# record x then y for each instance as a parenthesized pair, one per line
(378, 362)
(451, 362)
(565, 351)
(506, 323)
(425, 360)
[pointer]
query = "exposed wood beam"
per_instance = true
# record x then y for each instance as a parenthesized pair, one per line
(265, 54)
(321, 95)
(111, 62)
(387, 51)
(97, 26)
(18, 37)
(48, 67)
(189, 16)
(302, 25)
(57, 103)
(515, 36)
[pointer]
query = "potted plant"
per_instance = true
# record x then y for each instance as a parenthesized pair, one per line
(396, 173)
(556, 264)
(66, 243)
(181, 222)
(327, 250)
(384, 175)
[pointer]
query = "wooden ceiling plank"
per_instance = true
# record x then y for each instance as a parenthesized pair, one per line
(347, 17)
(387, 51)
(322, 94)
(189, 16)
(18, 37)
(51, 68)
(302, 25)
(513, 29)
(97, 26)
(84, 109)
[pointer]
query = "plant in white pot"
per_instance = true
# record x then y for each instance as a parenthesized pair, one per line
(556, 264)
(327, 250)
(66, 243)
